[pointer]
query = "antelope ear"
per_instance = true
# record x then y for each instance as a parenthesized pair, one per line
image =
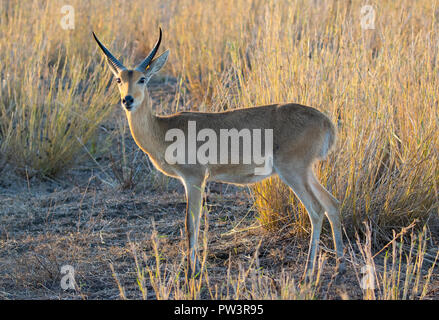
(157, 64)
(146, 62)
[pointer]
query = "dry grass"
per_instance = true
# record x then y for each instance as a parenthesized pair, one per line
(405, 271)
(51, 100)
(130, 245)
(380, 86)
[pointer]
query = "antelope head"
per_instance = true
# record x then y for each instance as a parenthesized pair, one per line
(132, 82)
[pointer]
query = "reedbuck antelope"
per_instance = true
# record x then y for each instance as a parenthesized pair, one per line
(300, 136)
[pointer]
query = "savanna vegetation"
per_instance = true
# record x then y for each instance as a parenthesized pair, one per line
(76, 190)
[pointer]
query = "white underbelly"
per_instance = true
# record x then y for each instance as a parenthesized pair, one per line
(239, 179)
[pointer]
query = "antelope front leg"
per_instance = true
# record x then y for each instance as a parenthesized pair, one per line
(194, 195)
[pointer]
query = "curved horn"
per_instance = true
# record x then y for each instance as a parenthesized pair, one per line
(145, 63)
(116, 64)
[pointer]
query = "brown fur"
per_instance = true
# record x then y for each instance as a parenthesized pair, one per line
(301, 135)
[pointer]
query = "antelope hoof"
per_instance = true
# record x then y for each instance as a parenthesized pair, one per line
(340, 268)
(194, 269)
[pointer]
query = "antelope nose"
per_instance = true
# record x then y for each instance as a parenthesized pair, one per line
(128, 101)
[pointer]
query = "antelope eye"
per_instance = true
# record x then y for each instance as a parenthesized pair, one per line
(118, 80)
(142, 80)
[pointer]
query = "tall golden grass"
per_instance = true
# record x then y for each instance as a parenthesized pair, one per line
(379, 86)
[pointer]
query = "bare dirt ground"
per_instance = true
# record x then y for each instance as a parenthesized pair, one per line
(78, 219)
(89, 226)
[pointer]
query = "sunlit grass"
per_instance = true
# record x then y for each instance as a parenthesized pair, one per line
(401, 270)
(51, 100)
(170, 280)
(405, 269)
(380, 87)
